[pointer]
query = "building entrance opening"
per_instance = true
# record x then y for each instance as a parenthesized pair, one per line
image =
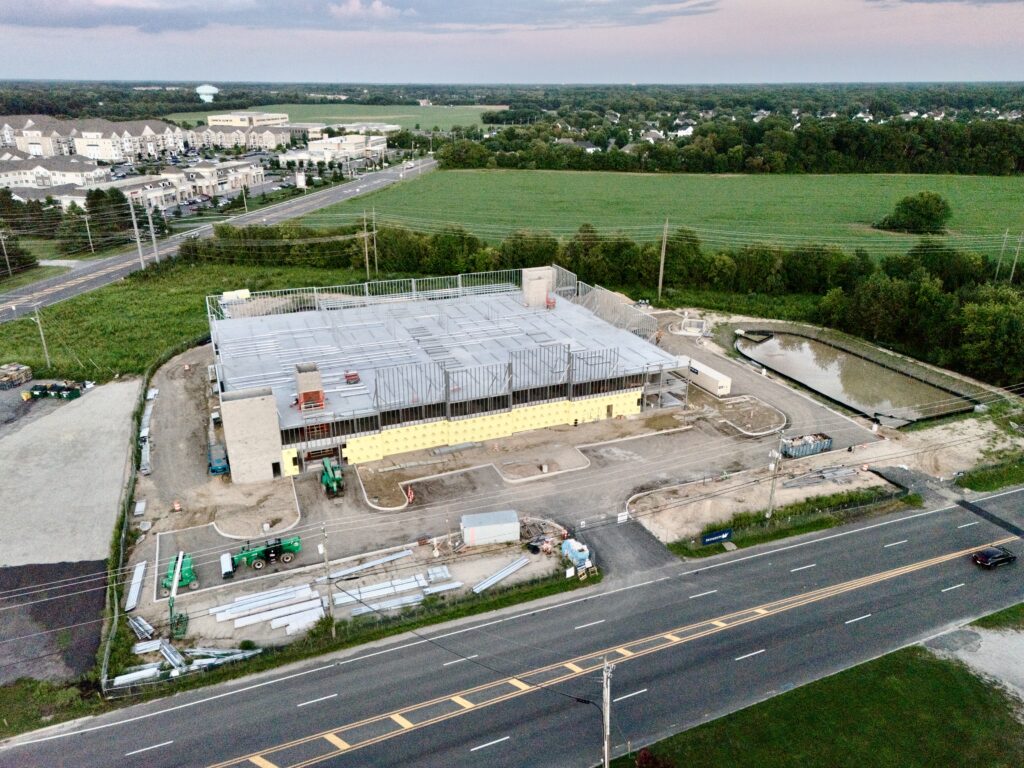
(611, 411)
(276, 467)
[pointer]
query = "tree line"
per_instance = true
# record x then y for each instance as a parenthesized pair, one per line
(934, 302)
(772, 145)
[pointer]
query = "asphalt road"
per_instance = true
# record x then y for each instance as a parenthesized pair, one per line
(691, 642)
(97, 273)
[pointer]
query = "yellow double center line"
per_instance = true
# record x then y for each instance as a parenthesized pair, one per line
(347, 738)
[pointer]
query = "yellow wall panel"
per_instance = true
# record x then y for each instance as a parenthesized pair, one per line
(365, 448)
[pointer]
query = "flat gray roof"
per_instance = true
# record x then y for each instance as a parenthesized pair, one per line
(404, 351)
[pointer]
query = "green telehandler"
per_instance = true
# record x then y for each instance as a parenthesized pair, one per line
(271, 551)
(187, 577)
(332, 480)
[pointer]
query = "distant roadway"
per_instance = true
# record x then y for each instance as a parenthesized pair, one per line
(691, 642)
(92, 274)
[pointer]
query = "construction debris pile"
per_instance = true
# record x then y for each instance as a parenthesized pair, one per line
(14, 375)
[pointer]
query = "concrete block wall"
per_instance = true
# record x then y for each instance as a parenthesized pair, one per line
(416, 437)
(252, 434)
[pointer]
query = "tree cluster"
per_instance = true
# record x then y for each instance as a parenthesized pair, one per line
(772, 145)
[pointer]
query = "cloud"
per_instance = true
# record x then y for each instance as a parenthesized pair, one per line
(357, 9)
(414, 15)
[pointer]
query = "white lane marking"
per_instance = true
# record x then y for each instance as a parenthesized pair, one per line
(802, 568)
(748, 655)
(859, 618)
(896, 543)
(591, 624)
(968, 525)
(490, 743)
(630, 695)
(955, 586)
(314, 701)
(704, 594)
(146, 749)
(457, 661)
(831, 536)
(532, 612)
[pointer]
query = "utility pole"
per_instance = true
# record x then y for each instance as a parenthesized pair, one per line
(3, 244)
(46, 352)
(606, 711)
(661, 266)
(138, 241)
(88, 232)
(1015, 255)
(376, 270)
(327, 576)
(152, 235)
(776, 457)
(1002, 250)
(366, 248)
(244, 202)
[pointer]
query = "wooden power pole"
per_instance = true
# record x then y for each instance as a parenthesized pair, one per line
(661, 265)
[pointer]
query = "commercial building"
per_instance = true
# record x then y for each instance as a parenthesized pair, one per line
(340, 149)
(247, 119)
(361, 372)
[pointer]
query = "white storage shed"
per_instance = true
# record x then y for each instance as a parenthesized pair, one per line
(490, 528)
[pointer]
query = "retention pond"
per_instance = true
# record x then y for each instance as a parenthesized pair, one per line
(892, 397)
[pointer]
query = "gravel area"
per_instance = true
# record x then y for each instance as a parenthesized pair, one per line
(60, 502)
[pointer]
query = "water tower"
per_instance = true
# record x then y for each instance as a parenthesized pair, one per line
(207, 92)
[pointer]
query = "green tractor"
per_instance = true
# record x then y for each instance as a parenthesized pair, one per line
(187, 577)
(271, 551)
(332, 480)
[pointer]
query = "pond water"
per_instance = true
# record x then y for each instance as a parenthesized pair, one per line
(855, 382)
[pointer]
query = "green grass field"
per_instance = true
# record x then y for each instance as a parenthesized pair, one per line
(125, 326)
(905, 710)
(725, 210)
(443, 118)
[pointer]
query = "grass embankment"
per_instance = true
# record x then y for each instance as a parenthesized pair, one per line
(813, 514)
(42, 248)
(1009, 471)
(122, 328)
(28, 704)
(726, 211)
(1008, 618)
(27, 277)
(407, 116)
(905, 710)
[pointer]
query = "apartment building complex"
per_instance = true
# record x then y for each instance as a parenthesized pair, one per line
(118, 142)
(20, 170)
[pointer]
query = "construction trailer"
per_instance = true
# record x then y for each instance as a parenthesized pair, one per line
(360, 372)
(490, 528)
(708, 379)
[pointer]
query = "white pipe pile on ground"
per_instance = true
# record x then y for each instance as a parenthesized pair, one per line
(247, 621)
(271, 594)
(356, 568)
(248, 609)
(504, 573)
(297, 618)
(375, 591)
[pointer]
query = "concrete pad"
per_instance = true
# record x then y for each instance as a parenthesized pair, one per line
(63, 475)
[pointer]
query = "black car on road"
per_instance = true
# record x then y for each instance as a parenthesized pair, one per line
(992, 557)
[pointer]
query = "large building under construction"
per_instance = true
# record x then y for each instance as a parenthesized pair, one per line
(360, 372)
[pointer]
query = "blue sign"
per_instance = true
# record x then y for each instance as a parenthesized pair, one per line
(716, 536)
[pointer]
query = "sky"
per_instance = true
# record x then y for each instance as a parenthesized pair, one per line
(514, 41)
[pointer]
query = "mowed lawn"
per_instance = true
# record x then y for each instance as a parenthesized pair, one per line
(427, 118)
(725, 210)
(905, 710)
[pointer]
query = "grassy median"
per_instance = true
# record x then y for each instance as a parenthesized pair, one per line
(905, 710)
